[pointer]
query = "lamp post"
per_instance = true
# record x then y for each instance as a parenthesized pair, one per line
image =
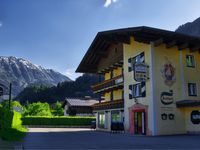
(10, 93)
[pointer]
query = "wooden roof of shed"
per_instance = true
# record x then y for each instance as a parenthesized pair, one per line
(81, 102)
(142, 34)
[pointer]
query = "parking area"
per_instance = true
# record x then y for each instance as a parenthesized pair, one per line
(79, 138)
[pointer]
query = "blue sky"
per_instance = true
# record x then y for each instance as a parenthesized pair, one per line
(56, 33)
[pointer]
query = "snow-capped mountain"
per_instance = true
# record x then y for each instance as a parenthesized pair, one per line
(22, 73)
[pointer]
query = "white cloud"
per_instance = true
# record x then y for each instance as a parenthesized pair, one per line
(109, 2)
(72, 74)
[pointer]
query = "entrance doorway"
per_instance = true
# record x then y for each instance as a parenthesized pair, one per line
(139, 122)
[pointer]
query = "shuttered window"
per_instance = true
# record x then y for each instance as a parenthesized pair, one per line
(137, 90)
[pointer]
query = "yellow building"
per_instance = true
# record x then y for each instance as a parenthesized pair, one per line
(152, 81)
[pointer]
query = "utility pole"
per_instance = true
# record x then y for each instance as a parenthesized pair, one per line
(10, 93)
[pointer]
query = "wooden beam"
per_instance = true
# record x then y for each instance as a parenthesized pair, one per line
(158, 42)
(115, 39)
(113, 67)
(118, 65)
(100, 72)
(102, 53)
(183, 46)
(141, 39)
(171, 44)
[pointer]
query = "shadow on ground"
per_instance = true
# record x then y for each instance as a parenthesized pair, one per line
(6, 145)
(88, 139)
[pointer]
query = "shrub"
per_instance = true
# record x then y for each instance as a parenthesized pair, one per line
(64, 120)
(58, 110)
(37, 109)
(10, 123)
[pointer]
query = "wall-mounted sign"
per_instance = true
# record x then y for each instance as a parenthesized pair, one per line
(167, 97)
(164, 116)
(195, 117)
(168, 73)
(170, 116)
(141, 72)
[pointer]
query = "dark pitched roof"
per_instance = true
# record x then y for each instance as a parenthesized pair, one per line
(80, 102)
(141, 34)
(188, 103)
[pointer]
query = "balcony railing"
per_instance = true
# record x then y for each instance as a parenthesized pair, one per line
(109, 105)
(107, 85)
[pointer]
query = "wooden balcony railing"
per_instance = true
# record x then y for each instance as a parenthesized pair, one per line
(109, 84)
(109, 105)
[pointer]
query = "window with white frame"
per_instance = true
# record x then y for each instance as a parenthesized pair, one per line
(192, 89)
(190, 61)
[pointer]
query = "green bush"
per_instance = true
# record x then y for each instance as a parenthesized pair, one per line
(37, 109)
(11, 128)
(64, 120)
(57, 110)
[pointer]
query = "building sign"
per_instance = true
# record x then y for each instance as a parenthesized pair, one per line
(164, 116)
(168, 73)
(167, 97)
(141, 72)
(170, 116)
(195, 117)
(1, 91)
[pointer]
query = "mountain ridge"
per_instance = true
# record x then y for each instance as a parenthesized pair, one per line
(22, 73)
(190, 28)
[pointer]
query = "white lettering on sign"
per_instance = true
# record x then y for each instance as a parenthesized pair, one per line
(141, 72)
(196, 116)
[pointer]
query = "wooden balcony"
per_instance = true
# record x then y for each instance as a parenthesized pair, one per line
(107, 85)
(109, 105)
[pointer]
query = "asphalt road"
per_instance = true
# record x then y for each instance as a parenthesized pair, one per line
(66, 138)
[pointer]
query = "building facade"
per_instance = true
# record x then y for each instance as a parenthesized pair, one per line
(155, 71)
(78, 107)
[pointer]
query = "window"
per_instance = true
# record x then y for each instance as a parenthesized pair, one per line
(190, 61)
(101, 120)
(115, 116)
(192, 89)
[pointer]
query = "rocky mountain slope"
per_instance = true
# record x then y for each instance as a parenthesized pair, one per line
(191, 28)
(22, 73)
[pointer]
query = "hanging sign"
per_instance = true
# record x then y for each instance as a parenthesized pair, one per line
(141, 72)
